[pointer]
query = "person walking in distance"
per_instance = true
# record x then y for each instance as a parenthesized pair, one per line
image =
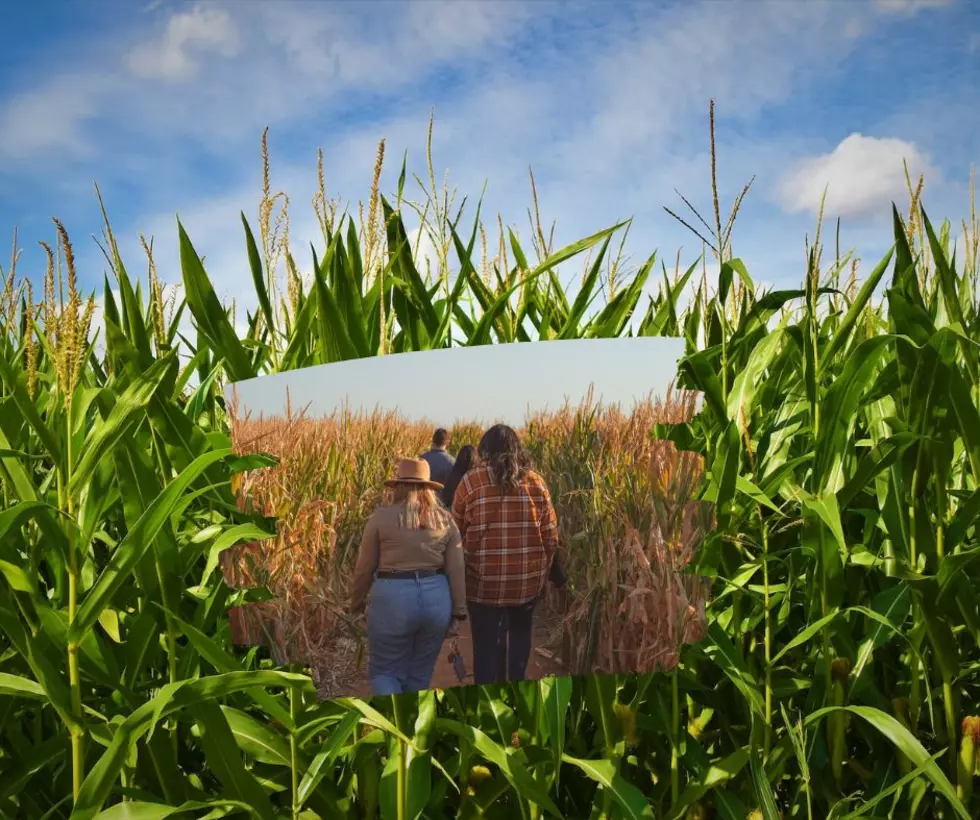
(466, 460)
(411, 562)
(438, 458)
(510, 542)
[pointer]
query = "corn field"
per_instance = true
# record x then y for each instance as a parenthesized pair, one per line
(840, 672)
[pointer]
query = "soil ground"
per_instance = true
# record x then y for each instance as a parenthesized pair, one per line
(542, 663)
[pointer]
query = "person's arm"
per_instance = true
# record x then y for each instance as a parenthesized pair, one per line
(456, 571)
(367, 563)
(548, 527)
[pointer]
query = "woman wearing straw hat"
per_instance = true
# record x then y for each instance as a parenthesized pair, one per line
(411, 562)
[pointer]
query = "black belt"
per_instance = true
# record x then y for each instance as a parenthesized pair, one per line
(410, 575)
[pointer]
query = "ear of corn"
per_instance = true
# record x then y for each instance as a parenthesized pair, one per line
(841, 466)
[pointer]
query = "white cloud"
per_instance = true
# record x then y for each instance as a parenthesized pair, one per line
(168, 57)
(862, 176)
(908, 7)
(282, 62)
(50, 120)
(451, 28)
(636, 86)
(330, 43)
(612, 118)
(650, 90)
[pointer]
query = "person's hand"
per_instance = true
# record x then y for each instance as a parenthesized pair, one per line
(358, 617)
(454, 626)
(556, 572)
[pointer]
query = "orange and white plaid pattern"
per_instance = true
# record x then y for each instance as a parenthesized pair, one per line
(509, 539)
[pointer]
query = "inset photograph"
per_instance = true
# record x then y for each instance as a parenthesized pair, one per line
(472, 516)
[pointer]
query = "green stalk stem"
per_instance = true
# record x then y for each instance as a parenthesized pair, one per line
(401, 787)
(915, 693)
(168, 621)
(913, 542)
(949, 710)
(675, 720)
(294, 753)
(724, 360)
(914, 704)
(74, 677)
(941, 516)
(464, 774)
(609, 747)
(169, 607)
(809, 799)
(534, 808)
(768, 631)
(824, 607)
(822, 581)
(836, 730)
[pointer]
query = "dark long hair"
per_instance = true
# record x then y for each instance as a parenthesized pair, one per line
(466, 459)
(501, 450)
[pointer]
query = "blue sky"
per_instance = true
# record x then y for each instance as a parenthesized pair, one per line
(488, 384)
(164, 104)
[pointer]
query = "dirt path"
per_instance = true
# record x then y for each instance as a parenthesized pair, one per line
(541, 664)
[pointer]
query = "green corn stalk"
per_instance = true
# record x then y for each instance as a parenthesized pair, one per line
(837, 721)
(114, 505)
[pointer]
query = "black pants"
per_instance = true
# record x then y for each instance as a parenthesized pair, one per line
(501, 641)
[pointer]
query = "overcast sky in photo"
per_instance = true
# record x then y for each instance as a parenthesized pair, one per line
(487, 384)
(163, 103)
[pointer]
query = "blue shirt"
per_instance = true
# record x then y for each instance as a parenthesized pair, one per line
(440, 465)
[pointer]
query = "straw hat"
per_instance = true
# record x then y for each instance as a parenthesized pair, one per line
(414, 471)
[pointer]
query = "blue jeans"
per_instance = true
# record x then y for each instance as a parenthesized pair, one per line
(407, 621)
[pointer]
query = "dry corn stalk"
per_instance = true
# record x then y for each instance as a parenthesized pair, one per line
(624, 503)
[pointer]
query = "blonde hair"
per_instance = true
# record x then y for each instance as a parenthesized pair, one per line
(421, 509)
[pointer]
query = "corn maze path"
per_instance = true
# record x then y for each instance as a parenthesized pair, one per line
(541, 664)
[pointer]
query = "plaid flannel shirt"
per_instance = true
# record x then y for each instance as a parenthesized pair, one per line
(509, 540)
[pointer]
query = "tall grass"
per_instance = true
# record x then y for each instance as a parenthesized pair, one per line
(839, 675)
